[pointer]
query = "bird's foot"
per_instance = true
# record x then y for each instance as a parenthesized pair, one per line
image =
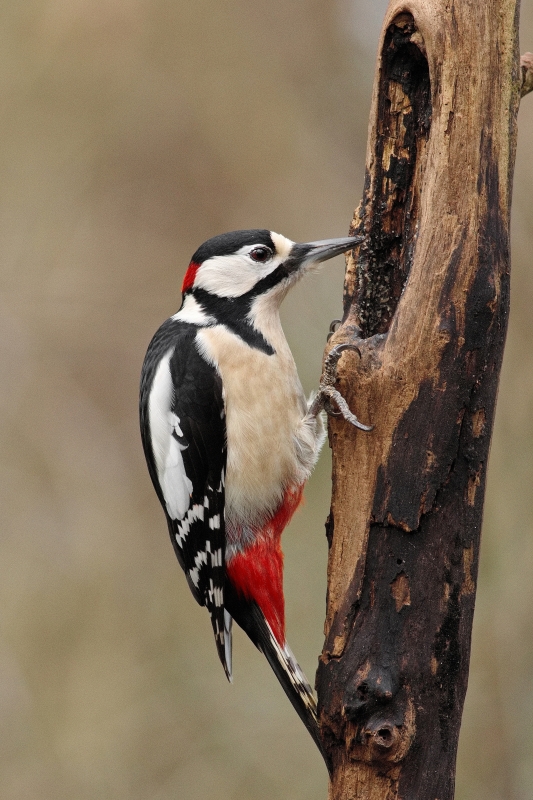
(328, 397)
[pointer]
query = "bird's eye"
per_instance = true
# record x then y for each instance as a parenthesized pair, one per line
(260, 254)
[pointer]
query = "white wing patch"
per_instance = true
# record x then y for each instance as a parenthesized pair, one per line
(175, 484)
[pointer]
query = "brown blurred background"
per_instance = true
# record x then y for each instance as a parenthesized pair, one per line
(131, 131)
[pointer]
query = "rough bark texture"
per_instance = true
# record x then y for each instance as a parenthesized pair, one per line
(426, 301)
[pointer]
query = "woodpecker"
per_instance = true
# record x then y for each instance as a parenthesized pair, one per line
(230, 440)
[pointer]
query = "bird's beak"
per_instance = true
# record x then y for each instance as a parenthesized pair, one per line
(303, 255)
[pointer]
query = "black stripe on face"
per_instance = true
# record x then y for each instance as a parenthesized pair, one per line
(232, 312)
(228, 243)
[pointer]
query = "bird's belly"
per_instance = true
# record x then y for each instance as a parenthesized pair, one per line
(271, 445)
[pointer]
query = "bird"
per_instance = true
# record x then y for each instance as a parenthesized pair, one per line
(230, 439)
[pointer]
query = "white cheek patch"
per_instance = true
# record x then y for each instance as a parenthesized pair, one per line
(226, 276)
(175, 484)
(234, 275)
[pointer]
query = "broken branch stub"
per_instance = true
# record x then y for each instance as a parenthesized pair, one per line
(526, 68)
(426, 303)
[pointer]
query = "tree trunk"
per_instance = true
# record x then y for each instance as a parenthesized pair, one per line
(426, 302)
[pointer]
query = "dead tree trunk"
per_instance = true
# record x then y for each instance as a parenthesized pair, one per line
(426, 302)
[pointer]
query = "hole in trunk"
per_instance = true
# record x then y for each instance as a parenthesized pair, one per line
(385, 734)
(388, 214)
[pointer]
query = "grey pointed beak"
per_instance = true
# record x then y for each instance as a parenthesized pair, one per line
(315, 252)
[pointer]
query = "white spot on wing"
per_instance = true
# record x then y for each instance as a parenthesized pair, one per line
(183, 529)
(194, 573)
(196, 512)
(215, 594)
(194, 576)
(175, 424)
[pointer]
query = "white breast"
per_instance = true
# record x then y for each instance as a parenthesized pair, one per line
(271, 443)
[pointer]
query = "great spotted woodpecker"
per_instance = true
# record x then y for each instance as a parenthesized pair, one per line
(230, 440)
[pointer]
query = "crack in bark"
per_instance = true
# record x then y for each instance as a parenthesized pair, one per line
(390, 202)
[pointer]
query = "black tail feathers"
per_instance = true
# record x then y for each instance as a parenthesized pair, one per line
(285, 667)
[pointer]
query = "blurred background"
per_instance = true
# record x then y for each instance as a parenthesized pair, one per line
(132, 131)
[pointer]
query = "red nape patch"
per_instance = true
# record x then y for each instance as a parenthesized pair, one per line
(257, 573)
(190, 275)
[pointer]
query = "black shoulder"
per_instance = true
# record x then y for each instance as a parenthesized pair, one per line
(172, 334)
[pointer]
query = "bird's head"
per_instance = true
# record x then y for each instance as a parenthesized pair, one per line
(247, 264)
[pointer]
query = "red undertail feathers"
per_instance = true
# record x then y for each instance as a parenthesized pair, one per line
(257, 572)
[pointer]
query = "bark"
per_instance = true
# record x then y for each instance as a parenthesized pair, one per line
(426, 302)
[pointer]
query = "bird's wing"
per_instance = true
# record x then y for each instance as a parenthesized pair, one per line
(184, 435)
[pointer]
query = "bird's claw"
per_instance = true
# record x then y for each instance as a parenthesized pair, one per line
(332, 395)
(333, 327)
(328, 395)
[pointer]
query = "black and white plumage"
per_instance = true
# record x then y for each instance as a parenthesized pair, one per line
(185, 446)
(229, 438)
